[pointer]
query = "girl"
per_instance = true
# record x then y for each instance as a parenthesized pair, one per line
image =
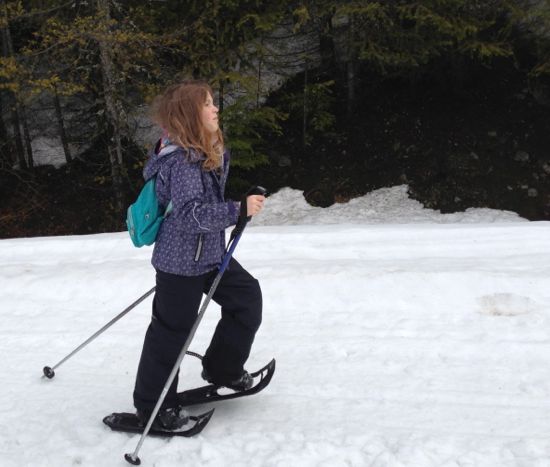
(191, 166)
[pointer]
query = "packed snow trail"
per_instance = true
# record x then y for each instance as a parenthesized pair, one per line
(397, 344)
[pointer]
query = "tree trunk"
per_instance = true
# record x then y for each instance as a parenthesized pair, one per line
(350, 69)
(350, 73)
(61, 125)
(304, 121)
(18, 138)
(7, 51)
(5, 145)
(327, 47)
(259, 88)
(26, 137)
(260, 63)
(220, 103)
(111, 107)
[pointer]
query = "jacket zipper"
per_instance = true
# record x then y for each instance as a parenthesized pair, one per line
(199, 249)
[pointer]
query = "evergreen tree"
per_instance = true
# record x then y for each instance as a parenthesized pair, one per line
(399, 37)
(102, 58)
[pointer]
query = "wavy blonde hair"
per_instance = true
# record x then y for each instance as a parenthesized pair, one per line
(178, 112)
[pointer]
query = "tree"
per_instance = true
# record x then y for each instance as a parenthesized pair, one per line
(101, 57)
(537, 27)
(12, 74)
(399, 37)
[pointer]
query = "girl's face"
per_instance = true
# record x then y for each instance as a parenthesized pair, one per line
(209, 115)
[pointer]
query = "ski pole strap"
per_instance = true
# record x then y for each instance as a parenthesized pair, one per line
(194, 354)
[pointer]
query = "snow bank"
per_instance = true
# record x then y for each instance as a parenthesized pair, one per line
(383, 206)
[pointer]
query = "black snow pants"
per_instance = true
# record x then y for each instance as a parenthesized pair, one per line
(175, 309)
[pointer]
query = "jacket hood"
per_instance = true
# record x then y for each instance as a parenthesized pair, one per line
(157, 158)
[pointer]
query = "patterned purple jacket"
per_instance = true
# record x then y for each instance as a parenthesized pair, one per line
(191, 240)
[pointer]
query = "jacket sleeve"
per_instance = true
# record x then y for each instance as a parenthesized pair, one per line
(190, 212)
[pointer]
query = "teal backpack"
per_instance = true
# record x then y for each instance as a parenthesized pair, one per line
(145, 216)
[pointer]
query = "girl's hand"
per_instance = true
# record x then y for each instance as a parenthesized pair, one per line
(254, 204)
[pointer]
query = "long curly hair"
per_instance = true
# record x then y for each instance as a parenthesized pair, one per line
(178, 112)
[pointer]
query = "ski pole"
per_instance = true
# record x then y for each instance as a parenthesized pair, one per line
(49, 371)
(234, 239)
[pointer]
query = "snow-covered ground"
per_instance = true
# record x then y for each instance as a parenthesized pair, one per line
(403, 337)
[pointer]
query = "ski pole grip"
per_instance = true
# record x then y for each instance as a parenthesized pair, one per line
(255, 190)
(243, 215)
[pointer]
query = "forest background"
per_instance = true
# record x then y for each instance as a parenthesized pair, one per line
(335, 98)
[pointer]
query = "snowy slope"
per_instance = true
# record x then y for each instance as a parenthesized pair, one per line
(402, 339)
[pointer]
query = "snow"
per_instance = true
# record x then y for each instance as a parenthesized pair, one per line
(387, 205)
(403, 337)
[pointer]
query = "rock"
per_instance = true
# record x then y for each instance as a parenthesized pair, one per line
(492, 134)
(319, 197)
(532, 193)
(521, 156)
(546, 167)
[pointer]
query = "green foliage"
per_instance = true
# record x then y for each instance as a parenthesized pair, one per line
(11, 74)
(394, 37)
(248, 128)
(71, 44)
(538, 21)
(320, 99)
(10, 10)
(314, 102)
(155, 43)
